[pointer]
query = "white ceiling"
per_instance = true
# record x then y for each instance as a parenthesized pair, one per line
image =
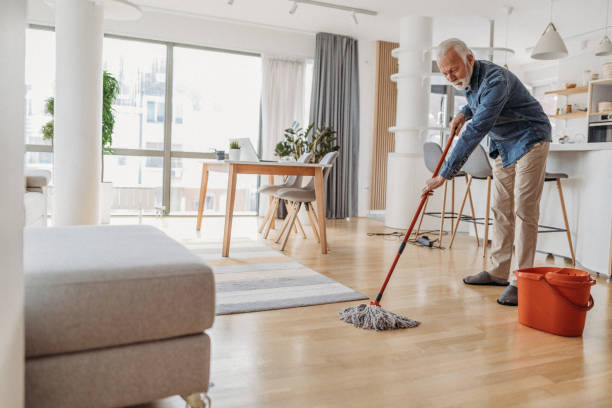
(467, 19)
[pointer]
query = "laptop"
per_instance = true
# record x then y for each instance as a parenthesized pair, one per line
(247, 151)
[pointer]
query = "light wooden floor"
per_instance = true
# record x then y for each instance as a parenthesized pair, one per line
(468, 352)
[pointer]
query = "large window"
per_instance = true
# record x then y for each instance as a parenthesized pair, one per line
(140, 68)
(161, 135)
(40, 82)
(215, 98)
(217, 95)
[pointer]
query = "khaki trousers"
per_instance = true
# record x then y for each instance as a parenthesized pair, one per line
(516, 189)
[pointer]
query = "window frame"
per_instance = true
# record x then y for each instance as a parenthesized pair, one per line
(167, 154)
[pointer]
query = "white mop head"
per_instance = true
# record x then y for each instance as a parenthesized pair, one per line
(375, 317)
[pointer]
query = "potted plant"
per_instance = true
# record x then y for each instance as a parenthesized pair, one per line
(298, 141)
(110, 90)
(234, 151)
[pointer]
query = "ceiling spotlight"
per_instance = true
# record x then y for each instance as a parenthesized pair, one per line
(355, 17)
(293, 7)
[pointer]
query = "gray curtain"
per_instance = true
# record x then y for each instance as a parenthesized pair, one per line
(335, 103)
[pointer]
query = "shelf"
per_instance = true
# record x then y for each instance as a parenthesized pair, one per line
(568, 91)
(601, 113)
(573, 115)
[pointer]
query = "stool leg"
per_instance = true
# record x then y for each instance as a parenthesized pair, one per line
(452, 203)
(567, 229)
(285, 224)
(300, 227)
(485, 243)
(465, 196)
(610, 261)
(267, 217)
(422, 215)
(443, 215)
(313, 221)
(472, 208)
(295, 208)
(274, 208)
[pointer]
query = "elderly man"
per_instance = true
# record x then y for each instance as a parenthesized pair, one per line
(519, 137)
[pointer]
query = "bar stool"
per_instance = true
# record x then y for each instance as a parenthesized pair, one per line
(271, 189)
(431, 154)
(556, 177)
(478, 167)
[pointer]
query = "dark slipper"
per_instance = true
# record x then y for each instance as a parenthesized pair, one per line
(484, 278)
(509, 297)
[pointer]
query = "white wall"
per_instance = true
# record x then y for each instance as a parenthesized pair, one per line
(367, 80)
(195, 30)
(12, 69)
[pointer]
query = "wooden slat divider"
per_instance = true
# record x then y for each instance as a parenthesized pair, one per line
(385, 104)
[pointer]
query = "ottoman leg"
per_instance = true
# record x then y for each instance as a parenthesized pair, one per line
(197, 400)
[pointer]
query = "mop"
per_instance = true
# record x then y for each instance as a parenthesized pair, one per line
(373, 316)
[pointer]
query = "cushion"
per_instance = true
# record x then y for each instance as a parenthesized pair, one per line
(119, 376)
(88, 287)
(302, 195)
(37, 177)
(271, 189)
(554, 176)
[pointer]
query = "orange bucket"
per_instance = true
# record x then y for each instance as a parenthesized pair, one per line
(554, 299)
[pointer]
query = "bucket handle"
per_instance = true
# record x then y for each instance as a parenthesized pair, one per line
(586, 308)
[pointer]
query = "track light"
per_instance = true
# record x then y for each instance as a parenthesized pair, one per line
(293, 7)
(355, 17)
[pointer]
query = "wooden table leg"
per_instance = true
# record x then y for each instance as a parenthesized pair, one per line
(272, 221)
(320, 200)
(203, 187)
(229, 209)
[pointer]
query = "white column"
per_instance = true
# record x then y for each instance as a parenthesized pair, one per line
(406, 172)
(78, 111)
(12, 67)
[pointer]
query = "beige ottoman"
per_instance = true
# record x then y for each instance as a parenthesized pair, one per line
(115, 316)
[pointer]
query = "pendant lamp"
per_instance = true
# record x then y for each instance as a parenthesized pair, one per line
(605, 46)
(551, 45)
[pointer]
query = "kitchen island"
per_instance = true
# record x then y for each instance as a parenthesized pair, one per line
(588, 200)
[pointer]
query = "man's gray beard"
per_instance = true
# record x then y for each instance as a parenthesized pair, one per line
(465, 81)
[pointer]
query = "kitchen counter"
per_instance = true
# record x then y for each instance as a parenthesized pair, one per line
(576, 147)
(587, 193)
(588, 200)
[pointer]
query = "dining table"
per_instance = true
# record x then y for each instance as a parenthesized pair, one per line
(270, 168)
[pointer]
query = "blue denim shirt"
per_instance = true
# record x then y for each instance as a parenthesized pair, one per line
(500, 105)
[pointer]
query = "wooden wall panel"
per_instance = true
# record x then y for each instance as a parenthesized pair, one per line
(385, 102)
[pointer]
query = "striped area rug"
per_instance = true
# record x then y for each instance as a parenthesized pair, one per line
(256, 277)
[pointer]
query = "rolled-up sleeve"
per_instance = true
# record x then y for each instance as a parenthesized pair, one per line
(492, 101)
(467, 112)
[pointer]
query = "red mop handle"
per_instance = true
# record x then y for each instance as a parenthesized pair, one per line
(414, 219)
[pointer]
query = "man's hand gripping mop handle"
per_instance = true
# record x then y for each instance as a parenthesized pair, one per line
(410, 228)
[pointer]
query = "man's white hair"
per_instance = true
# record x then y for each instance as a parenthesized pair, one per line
(454, 43)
